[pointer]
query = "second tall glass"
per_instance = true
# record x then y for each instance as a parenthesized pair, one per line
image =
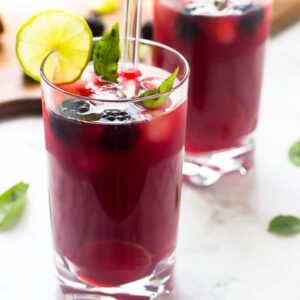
(224, 42)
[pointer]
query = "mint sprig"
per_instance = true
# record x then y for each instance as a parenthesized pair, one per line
(106, 54)
(12, 203)
(294, 154)
(288, 225)
(285, 225)
(165, 86)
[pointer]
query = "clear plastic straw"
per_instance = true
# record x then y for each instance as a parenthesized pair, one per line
(132, 28)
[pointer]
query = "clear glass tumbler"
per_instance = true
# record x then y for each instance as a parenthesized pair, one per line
(224, 43)
(115, 175)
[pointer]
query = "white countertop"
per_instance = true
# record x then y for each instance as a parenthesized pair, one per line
(224, 249)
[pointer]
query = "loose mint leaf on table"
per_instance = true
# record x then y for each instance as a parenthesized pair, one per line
(294, 154)
(165, 86)
(285, 225)
(106, 55)
(12, 203)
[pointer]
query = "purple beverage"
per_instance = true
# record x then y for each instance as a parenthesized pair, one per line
(224, 42)
(115, 174)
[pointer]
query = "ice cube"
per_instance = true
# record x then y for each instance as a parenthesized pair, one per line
(216, 7)
(151, 83)
(160, 128)
(106, 91)
(130, 87)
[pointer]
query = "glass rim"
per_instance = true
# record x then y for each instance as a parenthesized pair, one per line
(129, 100)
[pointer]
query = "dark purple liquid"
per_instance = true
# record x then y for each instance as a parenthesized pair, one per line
(226, 56)
(115, 192)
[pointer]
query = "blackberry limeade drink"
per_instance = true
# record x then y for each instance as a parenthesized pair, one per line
(115, 142)
(224, 43)
(115, 171)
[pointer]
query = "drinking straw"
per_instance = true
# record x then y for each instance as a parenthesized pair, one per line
(132, 29)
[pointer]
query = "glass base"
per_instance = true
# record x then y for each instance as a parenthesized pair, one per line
(207, 168)
(159, 283)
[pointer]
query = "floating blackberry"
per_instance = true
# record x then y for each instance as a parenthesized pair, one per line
(96, 25)
(251, 19)
(120, 137)
(66, 131)
(147, 30)
(115, 115)
(78, 109)
(186, 27)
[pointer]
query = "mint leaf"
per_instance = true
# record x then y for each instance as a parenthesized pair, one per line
(106, 55)
(165, 86)
(12, 203)
(285, 225)
(294, 154)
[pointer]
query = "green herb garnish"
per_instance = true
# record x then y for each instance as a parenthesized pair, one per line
(285, 225)
(288, 225)
(294, 154)
(106, 55)
(166, 85)
(12, 203)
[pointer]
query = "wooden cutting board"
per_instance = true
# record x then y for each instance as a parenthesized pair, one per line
(285, 13)
(19, 96)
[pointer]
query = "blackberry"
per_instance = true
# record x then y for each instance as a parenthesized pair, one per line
(119, 137)
(115, 115)
(96, 25)
(147, 30)
(74, 105)
(186, 27)
(66, 131)
(78, 109)
(251, 19)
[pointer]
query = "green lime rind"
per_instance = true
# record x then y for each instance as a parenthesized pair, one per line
(64, 33)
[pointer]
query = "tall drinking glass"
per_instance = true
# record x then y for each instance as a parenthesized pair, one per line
(224, 42)
(115, 174)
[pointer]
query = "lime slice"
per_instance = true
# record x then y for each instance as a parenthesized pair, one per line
(64, 34)
(104, 6)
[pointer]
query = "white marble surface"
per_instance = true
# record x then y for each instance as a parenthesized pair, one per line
(224, 249)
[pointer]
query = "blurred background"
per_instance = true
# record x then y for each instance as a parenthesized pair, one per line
(15, 12)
